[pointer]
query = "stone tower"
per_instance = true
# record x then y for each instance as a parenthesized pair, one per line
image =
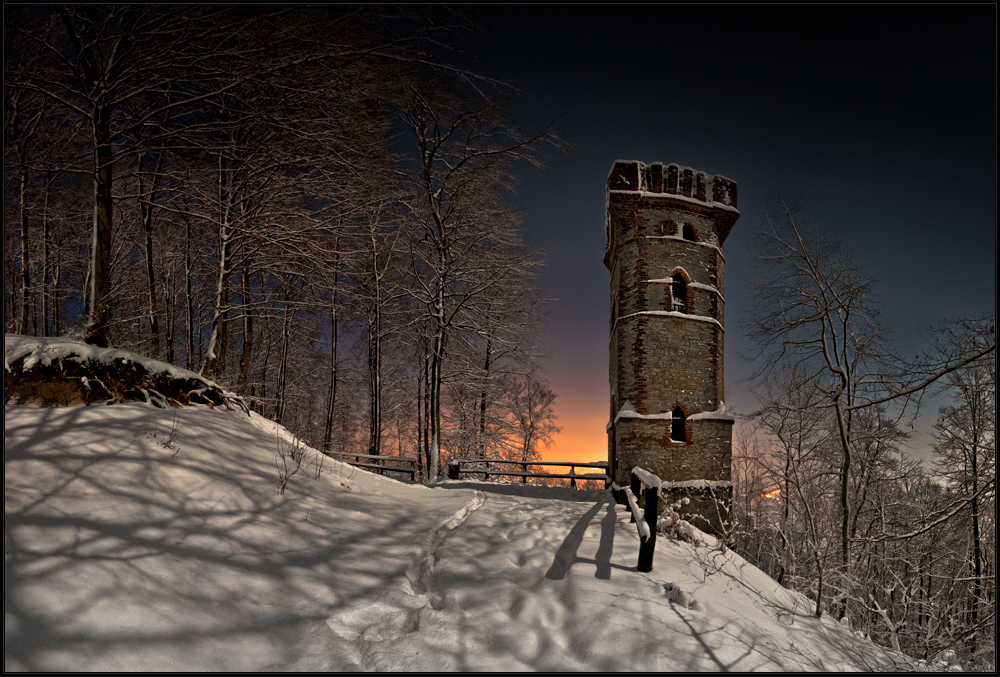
(666, 226)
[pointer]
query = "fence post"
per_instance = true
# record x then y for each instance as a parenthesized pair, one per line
(647, 546)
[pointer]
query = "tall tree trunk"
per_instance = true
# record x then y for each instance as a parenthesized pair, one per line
(100, 268)
(201, 346)
(434, 421)
(482, 397)
(10, 295)
(331, 395)
(375, 377)
(56, 292)
(170, 301)
(25, 256)
(421, 437)
(843, 427)
(46, 264)
(286, 325)
(215, 357)
(977, 555)
(426, 403)
(265, 360)
(188, 293)
(374, 308)
(247, 352)
(146, 211)
(786, 546)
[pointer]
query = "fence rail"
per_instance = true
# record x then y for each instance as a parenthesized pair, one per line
(406, 465)
(468, 467)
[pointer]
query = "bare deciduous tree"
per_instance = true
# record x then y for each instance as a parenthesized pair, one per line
(818, 310)
(465, 244)
(966, 443)
(908, 571)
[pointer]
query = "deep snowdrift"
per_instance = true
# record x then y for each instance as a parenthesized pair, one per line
(142, 538)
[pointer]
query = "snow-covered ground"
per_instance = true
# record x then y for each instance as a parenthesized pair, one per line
(143, 538)
(139, 538)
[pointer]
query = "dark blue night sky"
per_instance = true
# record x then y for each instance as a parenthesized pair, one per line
(882, 119)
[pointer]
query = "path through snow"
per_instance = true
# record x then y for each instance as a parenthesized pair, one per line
(522, 578)
(138, 538)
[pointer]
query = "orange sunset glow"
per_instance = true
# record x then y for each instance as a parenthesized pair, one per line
(583, 438)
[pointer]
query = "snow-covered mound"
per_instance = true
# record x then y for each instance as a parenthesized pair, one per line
(61, 371)
(192, 538)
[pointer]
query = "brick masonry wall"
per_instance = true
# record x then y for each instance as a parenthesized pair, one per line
(662, 362)
(646, 443)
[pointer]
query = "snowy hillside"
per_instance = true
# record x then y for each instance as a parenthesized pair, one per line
(146, 538)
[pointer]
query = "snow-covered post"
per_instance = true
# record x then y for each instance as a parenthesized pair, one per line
(649, 543)
(643, 481)
(636, 489)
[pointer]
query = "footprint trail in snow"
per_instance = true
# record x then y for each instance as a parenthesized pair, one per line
(398, 612)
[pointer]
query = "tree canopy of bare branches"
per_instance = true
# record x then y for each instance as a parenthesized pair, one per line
(307, 204)
(833, 502)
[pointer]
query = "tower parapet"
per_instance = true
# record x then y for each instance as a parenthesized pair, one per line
(666, 227)
(672, 179)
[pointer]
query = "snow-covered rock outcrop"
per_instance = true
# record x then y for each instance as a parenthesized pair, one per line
(64, 371)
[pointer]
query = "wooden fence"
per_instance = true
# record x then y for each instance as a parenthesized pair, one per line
(471, 467)
(402, 464)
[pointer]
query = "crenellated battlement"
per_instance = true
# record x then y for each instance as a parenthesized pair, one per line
(672, 179)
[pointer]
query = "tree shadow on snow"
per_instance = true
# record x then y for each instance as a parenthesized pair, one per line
(566, 555)
(124, 552)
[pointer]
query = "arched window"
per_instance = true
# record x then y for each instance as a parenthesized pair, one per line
(677, 431)
(678, 292)
(688, 233)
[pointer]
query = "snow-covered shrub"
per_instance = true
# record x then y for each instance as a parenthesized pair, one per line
(945, 661)
(678, 596)
(671, 525)
(288, 459)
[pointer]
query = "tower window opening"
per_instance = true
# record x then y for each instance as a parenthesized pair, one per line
(677, 431)
(678, 292)
(687, 232)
